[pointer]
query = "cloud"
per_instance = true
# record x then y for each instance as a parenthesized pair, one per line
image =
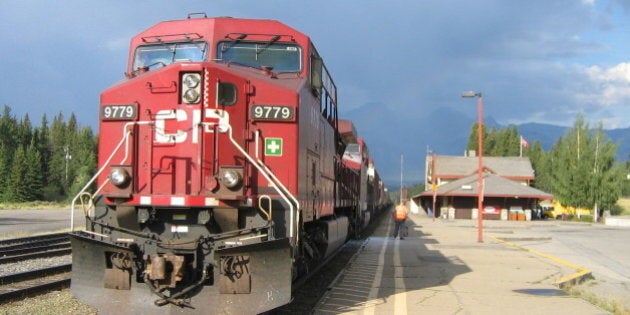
(531, 59)
(617, 74)
(606, 87)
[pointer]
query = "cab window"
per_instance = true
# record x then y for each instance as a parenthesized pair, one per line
(353, 148)
(161, 55)
(277, 56)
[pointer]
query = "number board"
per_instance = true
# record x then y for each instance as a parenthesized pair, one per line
(119, 112)
(272, 112)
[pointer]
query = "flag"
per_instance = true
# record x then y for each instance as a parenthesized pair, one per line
(524, 143)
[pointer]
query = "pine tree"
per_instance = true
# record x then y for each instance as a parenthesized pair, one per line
(8, 130)
(16, 190)
(472, 139)
(607, 176)
(24, 131)
(33, 178)
(583, 168)
(45, 151)
(5, 168)
(8, 144)
(84, 160)
(57, 185)
(625, 187)
(496, 142)
(541, 163)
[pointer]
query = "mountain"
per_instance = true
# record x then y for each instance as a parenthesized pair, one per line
(390, 134)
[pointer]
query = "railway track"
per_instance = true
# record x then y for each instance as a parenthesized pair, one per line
(49, 245)
(308, 291)
(37, 280)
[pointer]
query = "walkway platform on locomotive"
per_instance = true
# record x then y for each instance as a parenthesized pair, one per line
(441, 268)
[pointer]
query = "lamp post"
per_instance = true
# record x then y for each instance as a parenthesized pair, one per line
(471, 94)
(68, 158)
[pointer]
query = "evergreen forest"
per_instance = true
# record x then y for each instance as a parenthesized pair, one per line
(51, 162)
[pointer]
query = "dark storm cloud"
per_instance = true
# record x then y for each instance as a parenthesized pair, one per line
(526, 56)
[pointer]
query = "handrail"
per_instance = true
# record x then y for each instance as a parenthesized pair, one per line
(277, 185)
(124, 140)
(260, 206)
(275, 178)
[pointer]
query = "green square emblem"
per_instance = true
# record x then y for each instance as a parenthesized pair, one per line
(273, 146)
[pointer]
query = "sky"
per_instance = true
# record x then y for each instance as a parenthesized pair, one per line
(534, 61)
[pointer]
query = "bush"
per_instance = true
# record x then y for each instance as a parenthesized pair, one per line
(52, 193)
(617, 210)
(586, 218)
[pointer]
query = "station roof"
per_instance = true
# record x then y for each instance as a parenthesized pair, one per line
(461, 166)
(494, 186)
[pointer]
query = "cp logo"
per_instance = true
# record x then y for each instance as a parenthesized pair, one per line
(180, 117)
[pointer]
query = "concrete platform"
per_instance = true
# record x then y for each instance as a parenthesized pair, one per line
(618, 221)
(440, 268)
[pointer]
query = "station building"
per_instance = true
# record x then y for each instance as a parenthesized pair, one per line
(452, 188)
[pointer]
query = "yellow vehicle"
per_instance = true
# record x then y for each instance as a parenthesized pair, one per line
(556, 210)
(548, 212)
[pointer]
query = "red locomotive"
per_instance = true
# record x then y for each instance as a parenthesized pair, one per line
(221, 178)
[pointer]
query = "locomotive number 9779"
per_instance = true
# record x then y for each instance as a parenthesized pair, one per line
(120, 112)
(272, 112)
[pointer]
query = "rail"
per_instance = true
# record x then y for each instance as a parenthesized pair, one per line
(34, 282)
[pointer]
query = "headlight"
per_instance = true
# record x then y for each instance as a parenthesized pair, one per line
(119, 177)
(231, 178)
(191, 80)
(191, 88)
(191, 96)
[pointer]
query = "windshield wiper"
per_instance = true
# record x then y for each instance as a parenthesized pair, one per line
(269, 43)
(235, 41)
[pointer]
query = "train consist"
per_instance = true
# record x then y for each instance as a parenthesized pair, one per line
(224, 172)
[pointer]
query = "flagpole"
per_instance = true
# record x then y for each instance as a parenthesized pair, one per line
(520, 145)
(401, 179)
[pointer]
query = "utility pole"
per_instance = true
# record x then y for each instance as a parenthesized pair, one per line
(68, 158)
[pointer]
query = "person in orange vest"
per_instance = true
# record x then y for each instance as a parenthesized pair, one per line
(399, 216)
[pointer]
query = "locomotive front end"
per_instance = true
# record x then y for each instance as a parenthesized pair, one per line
(177, 223)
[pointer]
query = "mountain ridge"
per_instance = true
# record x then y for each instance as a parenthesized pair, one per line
(443, 131)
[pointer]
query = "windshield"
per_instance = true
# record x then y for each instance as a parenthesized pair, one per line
(162, 55)
(352, 148)
(280, 57)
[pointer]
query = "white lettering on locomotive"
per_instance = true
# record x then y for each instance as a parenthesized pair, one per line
(222, 119)
(160, 126)
(215, 117)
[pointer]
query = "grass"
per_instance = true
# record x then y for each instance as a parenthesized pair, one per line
(614, 307)
(624, 205)
(35, 205)
(10, 235)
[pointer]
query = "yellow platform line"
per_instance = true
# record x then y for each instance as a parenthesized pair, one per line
(580, 274)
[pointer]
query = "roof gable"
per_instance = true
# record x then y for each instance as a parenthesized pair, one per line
(460, 166)
(494, 186)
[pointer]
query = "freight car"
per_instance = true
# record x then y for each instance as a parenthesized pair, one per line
(371, 190)
(221, 174)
